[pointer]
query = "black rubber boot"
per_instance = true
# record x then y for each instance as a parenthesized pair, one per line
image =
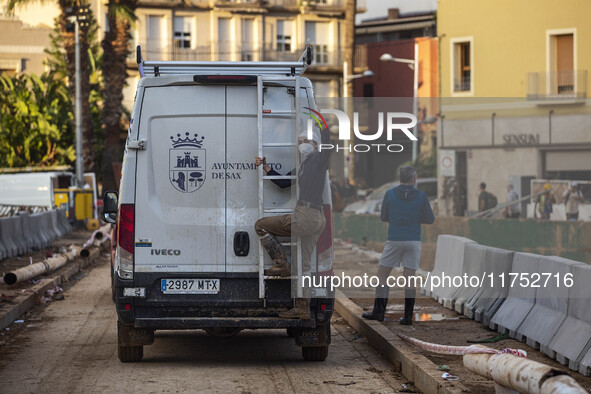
(277, 254)
(409, 305)
(379, 308)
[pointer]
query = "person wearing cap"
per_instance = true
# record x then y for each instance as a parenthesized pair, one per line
(572, 198)
(544, 203)
(512, 211)
(307, 220)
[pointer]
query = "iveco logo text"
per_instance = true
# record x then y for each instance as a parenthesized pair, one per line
(165, 252)
(345, 127)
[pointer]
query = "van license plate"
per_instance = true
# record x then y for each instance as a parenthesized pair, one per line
(190, 286)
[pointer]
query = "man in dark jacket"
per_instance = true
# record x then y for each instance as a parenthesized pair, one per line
(405, 208)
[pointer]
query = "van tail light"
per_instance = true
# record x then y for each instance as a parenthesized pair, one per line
(125, 240)
(325, 246)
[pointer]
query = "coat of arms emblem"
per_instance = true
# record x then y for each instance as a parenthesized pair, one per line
(187, 163)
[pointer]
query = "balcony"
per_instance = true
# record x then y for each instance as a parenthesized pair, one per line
(322, 55)
(314, 5)
(239, 3)
(462, 84)
(555, 85)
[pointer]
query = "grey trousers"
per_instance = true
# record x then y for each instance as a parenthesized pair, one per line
(306, 223)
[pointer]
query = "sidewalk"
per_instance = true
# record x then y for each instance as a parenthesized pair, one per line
(433, 323)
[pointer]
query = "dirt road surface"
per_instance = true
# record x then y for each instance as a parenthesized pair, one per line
(70, 346)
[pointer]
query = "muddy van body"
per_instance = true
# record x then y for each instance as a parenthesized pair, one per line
(187, 255)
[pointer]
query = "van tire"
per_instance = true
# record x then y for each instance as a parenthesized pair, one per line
(113, 292)
(131, 354)
(315, 353)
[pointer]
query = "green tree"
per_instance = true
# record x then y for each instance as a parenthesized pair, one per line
(120, 18)
(69, 46)
(57, 63)
(35, 121)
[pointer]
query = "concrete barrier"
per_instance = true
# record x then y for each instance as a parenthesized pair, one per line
(574, 335)
(22, 235)
(48, 227)
(585, 362)
(31, 231)
(7, 234)
(63, 221)
(442, 257)
(446, 294)
(487, 301)
(474, 257)
(17, 234)
(56, 225)
(520, 300)
(37, 222)
(3, 251)
(551, 304)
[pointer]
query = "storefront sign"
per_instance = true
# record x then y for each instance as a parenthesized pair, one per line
(521, 139)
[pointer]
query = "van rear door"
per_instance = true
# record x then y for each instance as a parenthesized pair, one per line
(180, 203)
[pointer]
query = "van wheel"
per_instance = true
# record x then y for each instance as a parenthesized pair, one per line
(131, 354)
(113, 293)
(315, 353)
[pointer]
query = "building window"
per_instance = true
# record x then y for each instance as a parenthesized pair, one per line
(154, 34)
(182, 32)
(284, 33)
(317, 36)
(561, 78)
(247, 50)
(463, 76)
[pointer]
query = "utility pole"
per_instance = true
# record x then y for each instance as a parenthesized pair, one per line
(348, 61)
(77, 17)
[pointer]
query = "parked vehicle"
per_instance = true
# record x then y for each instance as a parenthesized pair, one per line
(187, 255)
(372, 204)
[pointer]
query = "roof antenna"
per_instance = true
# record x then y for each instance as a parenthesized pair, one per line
(140, 60)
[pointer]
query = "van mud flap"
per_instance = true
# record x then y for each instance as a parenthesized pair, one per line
(310, 337)
(128, 335)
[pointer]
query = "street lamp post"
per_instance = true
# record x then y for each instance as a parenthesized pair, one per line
(413, 64)
(77, 18)
(348, 159)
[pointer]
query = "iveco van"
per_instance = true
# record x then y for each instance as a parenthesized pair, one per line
(187, 255)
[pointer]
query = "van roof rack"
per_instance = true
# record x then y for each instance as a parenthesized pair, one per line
(157, 68)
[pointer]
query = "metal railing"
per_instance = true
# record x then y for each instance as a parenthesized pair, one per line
(556, 84)
(322, 55)
(462, 84)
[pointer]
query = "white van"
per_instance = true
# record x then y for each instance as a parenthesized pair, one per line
(187, 254)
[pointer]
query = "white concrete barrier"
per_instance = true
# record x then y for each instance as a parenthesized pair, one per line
(520, 300)
(487, 301)
(22, 234)
(3, 251)
(474, 257)
(7, 234)
(17, 234)
(48, 227)
(32, 231)
(551, 304)
(56, 225)
(445, 295)
(37, 221)
(574, 335)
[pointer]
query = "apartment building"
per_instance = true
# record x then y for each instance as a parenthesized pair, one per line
(247, 30)
(22, 46)
(514, 78)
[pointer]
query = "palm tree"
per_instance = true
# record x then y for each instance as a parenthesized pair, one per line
(69, 46)
(120, 17)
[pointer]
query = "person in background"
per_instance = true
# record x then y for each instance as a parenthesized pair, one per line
(572, 198)
(405, 208)
(482, 198)
(544, 203)
(512, 211)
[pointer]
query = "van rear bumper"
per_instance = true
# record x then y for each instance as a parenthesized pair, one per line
(179, 323)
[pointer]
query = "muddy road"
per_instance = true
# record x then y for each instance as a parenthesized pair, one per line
(70, 346)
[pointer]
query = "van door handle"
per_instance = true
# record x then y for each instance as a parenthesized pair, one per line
(241, 243)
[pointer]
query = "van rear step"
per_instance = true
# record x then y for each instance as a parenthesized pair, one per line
(203, 322)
